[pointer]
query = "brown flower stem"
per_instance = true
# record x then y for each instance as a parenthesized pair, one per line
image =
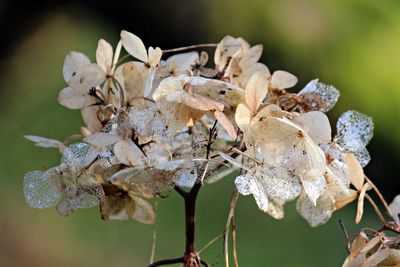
(234, 199)
(188, 48)
(377, 211)
(380, 197)
(234, 251)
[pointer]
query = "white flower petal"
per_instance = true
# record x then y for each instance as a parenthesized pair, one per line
(134, 46)
(104, 55)
(74, 63)
(283, 79)
(71, 98)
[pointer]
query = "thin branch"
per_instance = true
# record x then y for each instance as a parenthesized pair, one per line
(167, 262)
(121, 59)
(190, 47)
(153, 247)
(204, 263)
(234, 253)
(209, 243)
(344, 229)
(121, 91)
(378, 212)
(381, 197)
(234, 198)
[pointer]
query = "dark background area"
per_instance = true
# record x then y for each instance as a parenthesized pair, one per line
(351, 44)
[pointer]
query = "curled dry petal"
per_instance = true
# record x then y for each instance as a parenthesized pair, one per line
(356, 172)
(360, 203)
(134, 46)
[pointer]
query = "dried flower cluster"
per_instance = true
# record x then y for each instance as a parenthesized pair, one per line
(156, 124)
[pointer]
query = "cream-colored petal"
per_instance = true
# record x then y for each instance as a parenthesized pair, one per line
(283, 79)
(104, 55)
(134, 46)
(256, 90)
(71, 98)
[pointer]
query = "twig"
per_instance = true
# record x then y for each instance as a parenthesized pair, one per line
(121, 91)
(167, 262)
(234, 198)
(153, 248)
(188, 48)
(209, 243)
(378, 212)
(344, 229)
(234, 253)
(380, 197)
(204, 263)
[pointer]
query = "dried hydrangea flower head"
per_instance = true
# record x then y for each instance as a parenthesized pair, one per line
(155, 124)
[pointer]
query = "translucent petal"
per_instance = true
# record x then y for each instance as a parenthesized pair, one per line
(282, 143)
(42, 189)
(246, 185)
(316, 125)
(278, 182)
(128, 153)
(144, 211)
(320, 96)
(275, 208)
(79, 155)
(316, 214)
(185, 178)
(354, 131)
(362, 156)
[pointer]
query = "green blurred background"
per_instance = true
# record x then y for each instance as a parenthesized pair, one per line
(354, 45)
